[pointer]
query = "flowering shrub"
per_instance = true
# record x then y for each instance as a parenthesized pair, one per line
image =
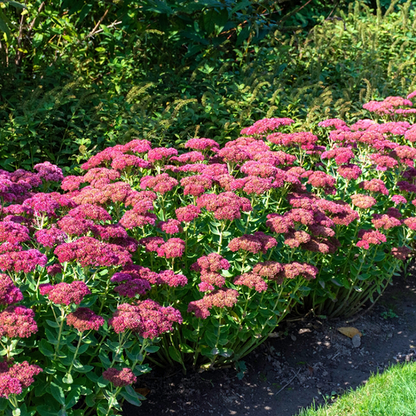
(158, 257)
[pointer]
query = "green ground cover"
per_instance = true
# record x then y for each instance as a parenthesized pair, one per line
(392, 393)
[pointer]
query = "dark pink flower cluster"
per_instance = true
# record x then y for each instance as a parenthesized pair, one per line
(49, 172)
(251, 185)
(171, 226)
(99, 177)
(374, 185)
(190, 157)
(363, 201)
(16, 378)
(253, 243)
(91, 212)
(411, 223)
(225, 206)
(13, 233)
(88, 251)
(171, 279)
(220, 299)
(160, 153)
(341, 155)
(196, 185)
(319, 179)
(387, 106)
(209, 280)
(151, 243)
(213, 263)
(147, 318)
(187, 213)
(333, 122)
(49, 237)
(383, 162)
(160, 183)
(401, 253)
(350, 171)
(258, 168)
(65, 293)
(42, 204)
(122, 162)
(305, 139)
(22, 261)
(54, 269)
(17, 322)
(202, 144)
(251, 280)
(131, 219)
(84, 319)
(174, 247)
(120, 378)
(266, 125)
(132, 287)
(368, 237)
(385, 221)
(411, 134)
(234, 154)
(9, 293)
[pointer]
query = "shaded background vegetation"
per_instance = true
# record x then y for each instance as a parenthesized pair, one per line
(78, 76)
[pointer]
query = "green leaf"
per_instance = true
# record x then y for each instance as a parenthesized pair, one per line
(58, 393)
(132, 397)
(152, 348)
(15, 4)
(51, 337)
(53, 324)
(82, 368)
(72, 398)
(186, 348)
(46, 349)
(174, 354)
(47, 410)
(67, 379)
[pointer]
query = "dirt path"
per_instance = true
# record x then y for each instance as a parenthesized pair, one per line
(310, 357)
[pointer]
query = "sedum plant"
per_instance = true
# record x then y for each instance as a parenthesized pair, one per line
(158, 257)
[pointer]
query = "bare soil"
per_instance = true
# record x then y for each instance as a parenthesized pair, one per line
(305, 361)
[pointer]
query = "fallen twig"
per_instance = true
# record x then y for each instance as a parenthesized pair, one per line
(288, 382)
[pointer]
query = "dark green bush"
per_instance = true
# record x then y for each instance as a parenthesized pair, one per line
(84, 82)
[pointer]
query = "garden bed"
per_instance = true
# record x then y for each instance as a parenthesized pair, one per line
(311, 355)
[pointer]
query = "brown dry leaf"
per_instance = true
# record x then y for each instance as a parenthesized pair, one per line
(142, 390)
(349, 331)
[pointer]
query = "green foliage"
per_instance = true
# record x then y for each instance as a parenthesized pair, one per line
(93, 77)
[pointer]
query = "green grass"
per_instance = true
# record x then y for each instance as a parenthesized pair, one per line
(392, 393)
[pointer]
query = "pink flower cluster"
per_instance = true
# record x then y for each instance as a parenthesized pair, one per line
(16, 378)
(22, 261)
(266, 125)
(88, 251)
(256, 243)
(368, 237)
(17, 322)
(146, 318)
(225, 206)
(84, 319)
(220, 299)
(65, 293)
(120, 378)
(9, 293)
